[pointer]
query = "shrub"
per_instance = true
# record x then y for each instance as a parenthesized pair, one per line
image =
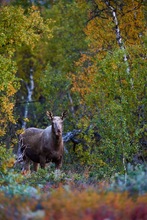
(134, 182)
(7, 159)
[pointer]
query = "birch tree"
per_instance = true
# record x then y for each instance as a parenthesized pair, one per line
(17, 29)
(108, 78)
(30, 88)
(119, 39)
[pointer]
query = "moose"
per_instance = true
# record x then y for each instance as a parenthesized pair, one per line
(42, 146)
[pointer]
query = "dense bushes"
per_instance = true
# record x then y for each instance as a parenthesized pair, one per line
(134, 181)
(65, 204)
(50, 194)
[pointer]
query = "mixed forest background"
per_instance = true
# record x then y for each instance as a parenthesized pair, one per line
(87, 57)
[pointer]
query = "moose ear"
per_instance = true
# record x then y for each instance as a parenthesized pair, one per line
(50, 115)
(63, 116)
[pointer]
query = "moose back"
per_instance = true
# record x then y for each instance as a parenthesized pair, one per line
(43, 145)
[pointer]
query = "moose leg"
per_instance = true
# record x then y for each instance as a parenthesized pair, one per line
(58, 163)
(35, 166)
(42, 162)
(26, 166)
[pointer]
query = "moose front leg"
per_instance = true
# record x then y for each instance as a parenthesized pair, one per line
(26, 166)
(42, 161)
(58, 163)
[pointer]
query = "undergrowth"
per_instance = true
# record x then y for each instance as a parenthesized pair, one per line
(52, 194)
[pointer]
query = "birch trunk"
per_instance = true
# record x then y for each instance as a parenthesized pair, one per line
(118, 34)
(122, 47)
(30, 88)
(71, 102)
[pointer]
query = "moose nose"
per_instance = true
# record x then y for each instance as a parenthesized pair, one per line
(59, 131)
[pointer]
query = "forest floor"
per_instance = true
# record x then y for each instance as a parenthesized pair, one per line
(64, 195)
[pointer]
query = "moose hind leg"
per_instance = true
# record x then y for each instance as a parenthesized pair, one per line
(35, 166)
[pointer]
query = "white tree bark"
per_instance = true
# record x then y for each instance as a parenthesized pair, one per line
(71, 102)
(122, 47)
(30, 88)
(118, 34)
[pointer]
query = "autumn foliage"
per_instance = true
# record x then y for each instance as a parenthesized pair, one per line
(87, 204)
(88, 57)
(17, 29)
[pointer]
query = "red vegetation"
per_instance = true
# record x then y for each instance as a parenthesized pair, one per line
(76, 205)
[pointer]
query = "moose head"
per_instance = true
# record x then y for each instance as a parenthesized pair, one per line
(57, 122)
